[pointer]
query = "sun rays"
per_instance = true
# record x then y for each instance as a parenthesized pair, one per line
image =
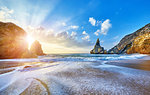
(29, 40)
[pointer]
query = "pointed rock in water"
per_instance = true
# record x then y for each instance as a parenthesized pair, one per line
(36, 48)
(98, 49)
(97, 42)
(12, 42)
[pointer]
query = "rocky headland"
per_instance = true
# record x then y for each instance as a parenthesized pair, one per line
(137, 42)
(13, 42)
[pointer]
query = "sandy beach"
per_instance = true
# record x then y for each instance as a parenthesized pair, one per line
(111, 77)
(141, 64)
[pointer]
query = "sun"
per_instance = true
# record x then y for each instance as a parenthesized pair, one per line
(30, 40)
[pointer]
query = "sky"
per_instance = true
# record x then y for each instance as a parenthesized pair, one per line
(73, 26)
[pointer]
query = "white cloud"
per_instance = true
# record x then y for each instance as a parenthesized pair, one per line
(74, 27)
(105, 26)
(98, 23)
(92, 21)
(7, 15)
(63, 35)
(73, 34)
(86, 36)
(84, 33)
(64, 39)
(5, 12)
(97, 32)
(64, 24)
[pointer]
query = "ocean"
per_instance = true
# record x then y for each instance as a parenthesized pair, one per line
(76, 74)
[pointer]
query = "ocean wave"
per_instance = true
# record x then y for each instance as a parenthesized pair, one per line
(89, 57)
(77, 57)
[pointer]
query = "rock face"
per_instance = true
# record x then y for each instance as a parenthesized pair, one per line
(137, 42)
(97, 48)
(12, 42)
(141, 45)
(36, 48)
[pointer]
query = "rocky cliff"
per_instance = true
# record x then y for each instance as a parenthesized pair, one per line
(97, 48)
(12, 42)
(137, 42)
(36, 48)
(141, 44)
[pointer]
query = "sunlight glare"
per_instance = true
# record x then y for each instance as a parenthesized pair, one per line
(30, 40)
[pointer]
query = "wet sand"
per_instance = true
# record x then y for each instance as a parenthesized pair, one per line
(120, 77)
(142, 64)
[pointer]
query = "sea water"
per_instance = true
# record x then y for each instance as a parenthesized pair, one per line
(76, 74)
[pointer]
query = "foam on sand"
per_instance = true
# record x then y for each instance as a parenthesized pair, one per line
(79, 76)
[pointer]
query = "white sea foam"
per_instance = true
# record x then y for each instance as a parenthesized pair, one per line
(75, 57)
(76, 74)
(20, 60)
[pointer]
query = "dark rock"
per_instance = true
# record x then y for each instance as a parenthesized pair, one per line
(98, 49)
(27, 67)
(131, 44)
(12, 42)
(36, 48)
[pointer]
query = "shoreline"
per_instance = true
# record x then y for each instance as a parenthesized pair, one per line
(141, 64)
(77, 77)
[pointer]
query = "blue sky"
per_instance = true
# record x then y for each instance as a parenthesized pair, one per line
(70, 25)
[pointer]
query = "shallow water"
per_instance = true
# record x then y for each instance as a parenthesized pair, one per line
(76, 74)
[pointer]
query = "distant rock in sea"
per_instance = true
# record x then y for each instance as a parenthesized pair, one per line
(137, 42)
(98, 49)
(36, 48)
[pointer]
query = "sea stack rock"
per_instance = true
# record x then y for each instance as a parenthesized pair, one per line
(12, 42)
(97, 48)
(137, 42)
(36, 48)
